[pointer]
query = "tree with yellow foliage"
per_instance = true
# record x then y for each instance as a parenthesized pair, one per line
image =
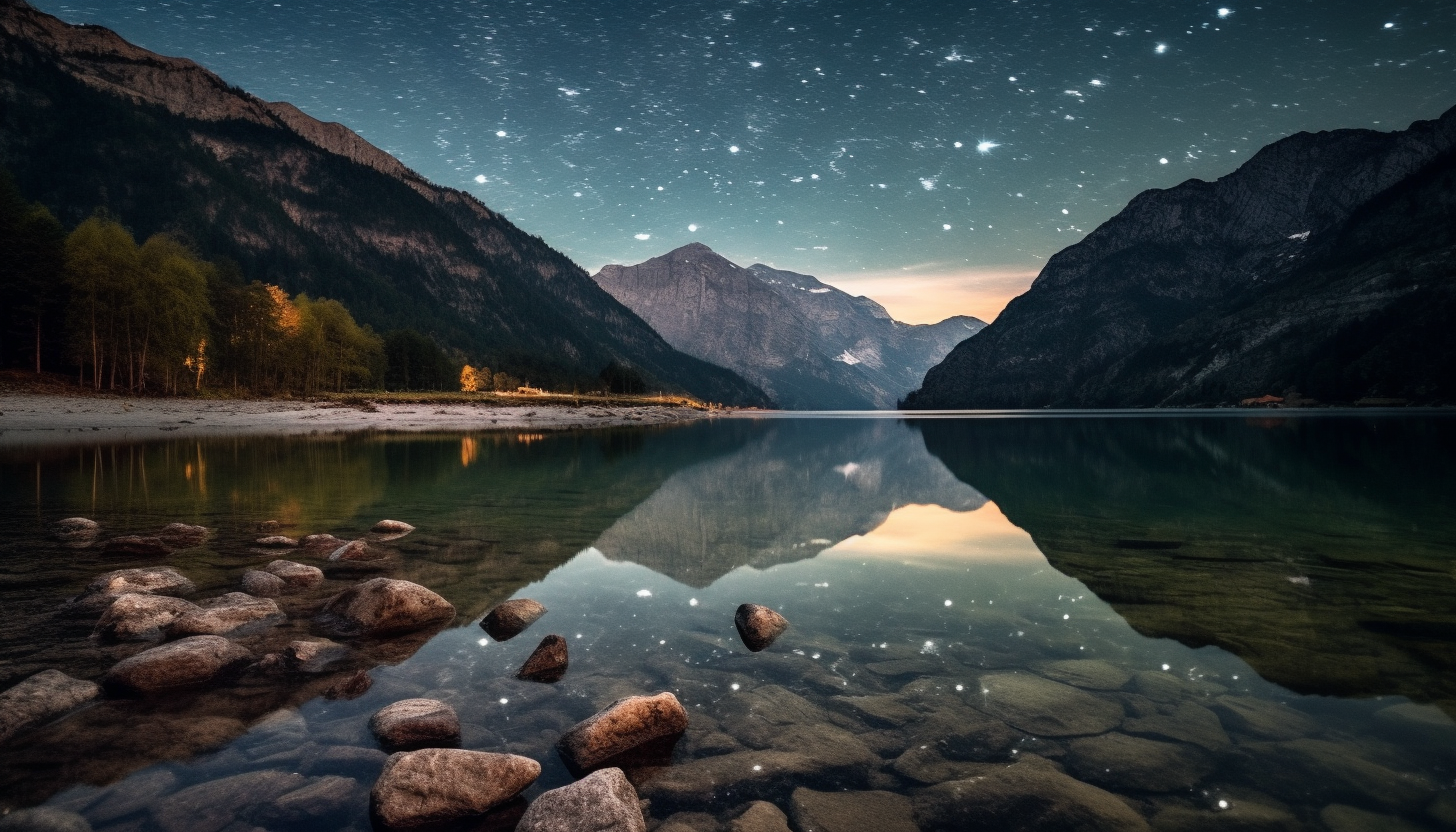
(470, 379)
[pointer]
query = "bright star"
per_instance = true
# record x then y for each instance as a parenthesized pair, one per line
(1161, 48)
(985, 147)
(1225, 12)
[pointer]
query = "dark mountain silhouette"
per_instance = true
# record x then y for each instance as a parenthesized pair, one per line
(811, 346)
(88, 120)
(1325, 265)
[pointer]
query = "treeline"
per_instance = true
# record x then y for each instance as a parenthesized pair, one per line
(156, 318)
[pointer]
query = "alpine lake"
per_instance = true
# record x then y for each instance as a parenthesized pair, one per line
(1241, 621)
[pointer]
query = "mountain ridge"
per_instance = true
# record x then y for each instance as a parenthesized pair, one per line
(809, 345)
(166, 145)
(1166, 304)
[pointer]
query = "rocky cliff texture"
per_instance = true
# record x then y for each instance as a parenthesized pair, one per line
(1324, 265)
(811, 346)
(90, 120)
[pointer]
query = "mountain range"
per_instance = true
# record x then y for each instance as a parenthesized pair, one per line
(88, 121)
(809, 345)
(1323, 268)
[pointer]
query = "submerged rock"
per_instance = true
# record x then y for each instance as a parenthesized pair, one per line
(352, 550)
(296, 575)
(396, 527)
(133, 544)
(183, 536)
(1093, 674)
(353, 687)
(383, 607)
(313, 655)
(547, 663)
(852, 811)
(276, 541)
(43, 819)
(1043, 707)
(1123, 762)
(705, 783)
(758, 626)
(263, 584)
(213, 805)
(138, 616)
(321, 544)
(149, 580)
(760, 816)
(1262, 718)
(416, 723)
(1031, 794)
(603, 801)
(41, 698)
(622, 727)
(74, 529)
(509, 619)
(231, 613)
(1185, 722)
(437, 785)
(190, 662)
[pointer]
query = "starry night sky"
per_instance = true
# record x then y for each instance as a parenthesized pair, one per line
(929, 154)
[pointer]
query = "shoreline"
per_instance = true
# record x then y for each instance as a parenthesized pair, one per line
(38, 420)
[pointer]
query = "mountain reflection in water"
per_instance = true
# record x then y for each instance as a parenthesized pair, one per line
(1126, 602)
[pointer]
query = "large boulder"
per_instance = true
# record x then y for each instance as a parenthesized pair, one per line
(1031, 794)
(1045, 708)
(296, 575)
(41, 698)
(384, 607)
(621, 728)
(152, 580)
(603, 801)
(190, 662)
(547, 662)
(509, 619)
(439, 785)
(758, 626)
(234, 612)
(416, 723)
(138, 616)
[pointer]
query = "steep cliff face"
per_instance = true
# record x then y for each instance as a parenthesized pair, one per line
(811, 346)
(1323, 265)
(90, 120)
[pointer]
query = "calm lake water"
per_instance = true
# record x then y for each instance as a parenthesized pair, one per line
(1230, 622)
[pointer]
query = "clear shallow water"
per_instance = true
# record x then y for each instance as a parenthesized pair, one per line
(1258, 613)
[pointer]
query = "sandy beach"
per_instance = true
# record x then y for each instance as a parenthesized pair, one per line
(31, 419)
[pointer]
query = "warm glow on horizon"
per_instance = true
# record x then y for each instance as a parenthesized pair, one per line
(926, 535)
(917, 295)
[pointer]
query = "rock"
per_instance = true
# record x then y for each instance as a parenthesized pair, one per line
(1262, 718)
(131, 795)
(416, 723)
(132, 544)
(622, 727)
(276, 541)
(344, 759)
(1093, 674)
(1043, 707)
(1185, 722)
(1443, 808)
(547, 663)
(189, 662)
(318, 801)
(296, 575)
(1169, 687)
(761, 816)
(1336, 771)
(232, 613)
(1031, 794)
(383, 607)
(263, 584)
(138, 616)
(183, 536)
(43, 819)
(603, 801)
(437, 785)
(1242, 815)
(213, 805)
(689, 822)
(392, 527)
(353, 687)
(758, 626)
(270, 526)
(41, 698)
(708, 782)
(892, 668)
(851, 811)
(75, 528)
(1349, 819)
(321, 544)
(313, 655)
(352, 550)
(925, 765)
(509, 619)
(885, 710)
(966, 734)
(1122, 762)
(153, 580)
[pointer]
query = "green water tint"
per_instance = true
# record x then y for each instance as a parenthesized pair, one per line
(930, 640)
